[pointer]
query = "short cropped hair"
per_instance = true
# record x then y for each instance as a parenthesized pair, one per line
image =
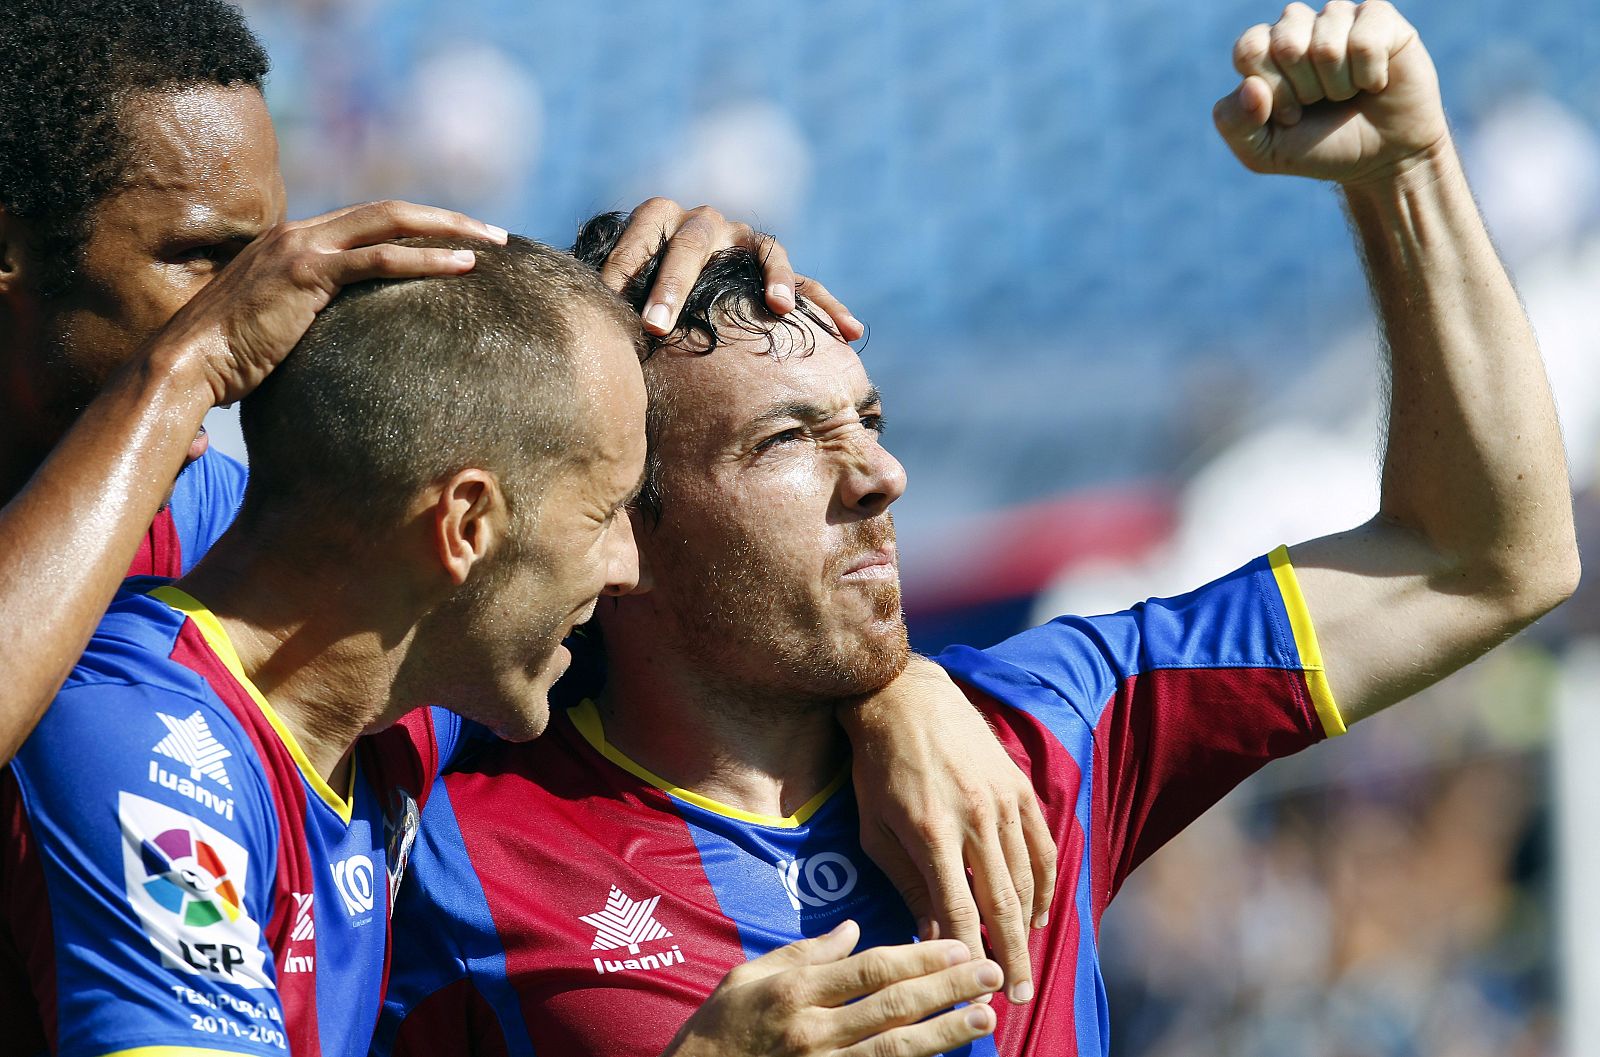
(67, 68)
(400, 383)
(730, 293)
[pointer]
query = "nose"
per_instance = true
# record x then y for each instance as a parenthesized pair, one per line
(622, 560)
(873, 481)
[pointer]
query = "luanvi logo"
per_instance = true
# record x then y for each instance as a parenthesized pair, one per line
(353, 878)
(628, 923)
(191, 744)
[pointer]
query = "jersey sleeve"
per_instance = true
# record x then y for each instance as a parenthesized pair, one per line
(141, 876)
(1174, 701)
(204, 501)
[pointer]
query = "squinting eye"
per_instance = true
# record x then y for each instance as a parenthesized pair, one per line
(874, 423)
(780, 438)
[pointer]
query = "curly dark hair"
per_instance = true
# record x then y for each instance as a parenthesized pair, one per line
(67, 67)
(730, 292)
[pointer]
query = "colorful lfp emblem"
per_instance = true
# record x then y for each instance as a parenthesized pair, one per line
(188, 878)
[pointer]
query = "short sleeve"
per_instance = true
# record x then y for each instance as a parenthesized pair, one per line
(143, 874)
(1181, 699)
(204, 502)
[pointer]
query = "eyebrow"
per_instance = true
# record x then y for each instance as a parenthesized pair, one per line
(811, 413)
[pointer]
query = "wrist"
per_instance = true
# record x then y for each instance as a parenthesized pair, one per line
(173, 375)
(1415, 173)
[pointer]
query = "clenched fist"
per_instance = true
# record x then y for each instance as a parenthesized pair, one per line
(1348, 95)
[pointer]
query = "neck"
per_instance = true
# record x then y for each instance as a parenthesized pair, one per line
(312, 639)
(761, 752)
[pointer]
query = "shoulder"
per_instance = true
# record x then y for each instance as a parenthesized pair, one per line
(1236, 621)
(205, 501)
(133, 644)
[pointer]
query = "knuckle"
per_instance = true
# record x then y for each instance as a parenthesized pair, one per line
(891, 1045)
(963, 916)
(798, 1035)
(387, 258)
(654, 204)
(1286, 48)
(1251, 47)
(1326, 52)
(897, 1005)
(303, 270)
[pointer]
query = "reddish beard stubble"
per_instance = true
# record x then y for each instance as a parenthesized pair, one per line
(752, 626)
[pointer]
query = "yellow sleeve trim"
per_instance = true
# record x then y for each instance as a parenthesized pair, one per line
(587, 719)
(217, 638)
(1305, 642)
(173, 1051)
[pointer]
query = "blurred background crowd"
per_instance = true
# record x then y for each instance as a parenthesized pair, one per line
(1116, 365)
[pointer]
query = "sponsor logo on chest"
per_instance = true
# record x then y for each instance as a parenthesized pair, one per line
(627, 924)
(818, 880)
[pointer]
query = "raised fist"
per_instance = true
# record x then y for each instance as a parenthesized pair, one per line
(1348, 95)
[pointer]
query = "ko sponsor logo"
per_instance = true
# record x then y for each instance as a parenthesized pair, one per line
(353, 878)
(818, 880)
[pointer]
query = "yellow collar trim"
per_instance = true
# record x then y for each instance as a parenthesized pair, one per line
(211, 630)
(586, 717)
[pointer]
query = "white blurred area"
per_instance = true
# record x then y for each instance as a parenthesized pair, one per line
(747, 156)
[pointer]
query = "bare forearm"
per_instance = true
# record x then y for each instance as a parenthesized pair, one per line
(67, 538)
(1474, 463)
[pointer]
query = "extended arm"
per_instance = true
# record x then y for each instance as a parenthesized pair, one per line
(1473, 538)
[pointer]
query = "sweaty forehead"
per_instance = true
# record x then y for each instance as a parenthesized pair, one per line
(718, 395)
(201, 157)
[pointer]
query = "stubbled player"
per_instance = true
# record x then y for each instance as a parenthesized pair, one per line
(584, 894)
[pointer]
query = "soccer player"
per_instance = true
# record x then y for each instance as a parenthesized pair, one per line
(583, 894)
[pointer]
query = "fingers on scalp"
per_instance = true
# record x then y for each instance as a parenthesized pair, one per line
(388, 261)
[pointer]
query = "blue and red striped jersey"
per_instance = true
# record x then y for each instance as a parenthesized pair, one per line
(175, 877)
(562, 900)
(204, 500)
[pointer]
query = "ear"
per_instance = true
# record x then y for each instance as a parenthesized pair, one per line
(14, 252)
(469, 520)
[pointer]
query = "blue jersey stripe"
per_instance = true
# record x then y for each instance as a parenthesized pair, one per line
(469, 947)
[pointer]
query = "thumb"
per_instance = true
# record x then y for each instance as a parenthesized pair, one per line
(820, 950)
(1241, 117)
